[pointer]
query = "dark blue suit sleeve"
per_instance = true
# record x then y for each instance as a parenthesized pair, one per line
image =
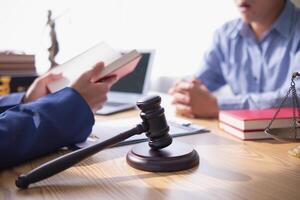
(10, 101)
(43, 126)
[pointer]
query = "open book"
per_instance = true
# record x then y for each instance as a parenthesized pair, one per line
(115, 64)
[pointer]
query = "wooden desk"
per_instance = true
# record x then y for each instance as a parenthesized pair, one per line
(229, 169)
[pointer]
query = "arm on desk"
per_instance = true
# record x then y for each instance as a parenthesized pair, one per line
(11, 100)
(34, 129)
(254, 100)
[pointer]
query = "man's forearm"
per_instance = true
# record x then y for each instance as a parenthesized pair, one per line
(37, 128)
(253, 100)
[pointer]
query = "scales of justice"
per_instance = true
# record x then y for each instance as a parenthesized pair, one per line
(53, 49)
(292, 133)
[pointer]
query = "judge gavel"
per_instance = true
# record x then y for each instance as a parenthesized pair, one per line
(155, 125)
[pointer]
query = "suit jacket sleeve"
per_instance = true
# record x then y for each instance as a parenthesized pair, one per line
(43, 126)
(10, 101)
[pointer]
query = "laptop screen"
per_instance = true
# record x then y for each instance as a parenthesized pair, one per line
(134, 82)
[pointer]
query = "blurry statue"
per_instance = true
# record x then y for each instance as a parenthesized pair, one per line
(54, 47)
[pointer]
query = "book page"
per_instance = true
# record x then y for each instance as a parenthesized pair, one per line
(73, 68)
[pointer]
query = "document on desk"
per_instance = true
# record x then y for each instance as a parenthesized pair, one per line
(107, 129)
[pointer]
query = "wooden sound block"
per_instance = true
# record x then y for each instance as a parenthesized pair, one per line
(175, 157)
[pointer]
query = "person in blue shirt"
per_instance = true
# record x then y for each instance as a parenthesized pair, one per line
(36, 123)
(255, 55)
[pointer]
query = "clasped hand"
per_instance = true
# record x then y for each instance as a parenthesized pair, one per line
(193, 99)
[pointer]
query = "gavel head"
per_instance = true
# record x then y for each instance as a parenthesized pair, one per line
(153, 116)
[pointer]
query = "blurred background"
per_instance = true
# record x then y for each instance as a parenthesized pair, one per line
(178, 30)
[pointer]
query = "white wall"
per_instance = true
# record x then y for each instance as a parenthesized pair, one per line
(179, 30)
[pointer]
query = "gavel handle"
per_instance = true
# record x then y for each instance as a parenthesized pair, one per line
(61, 163)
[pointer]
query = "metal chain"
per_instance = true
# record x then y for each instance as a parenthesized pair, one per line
(279, 108)
(295, 105)
(294, 98)
(296, 119)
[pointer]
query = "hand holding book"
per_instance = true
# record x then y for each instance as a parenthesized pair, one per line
(115, 64)
(94, 92)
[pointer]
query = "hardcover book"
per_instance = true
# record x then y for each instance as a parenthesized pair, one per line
(16, 58)
(244, 135)
(115, 64)
(257, 119)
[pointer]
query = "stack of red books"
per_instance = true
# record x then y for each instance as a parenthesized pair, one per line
(250, 124)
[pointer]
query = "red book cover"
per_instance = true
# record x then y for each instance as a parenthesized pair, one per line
(244, 135)
(257, 119)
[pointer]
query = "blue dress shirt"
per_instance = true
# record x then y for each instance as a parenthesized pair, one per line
(43, 126)
(258, 72)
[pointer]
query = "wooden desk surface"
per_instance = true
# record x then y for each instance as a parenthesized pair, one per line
(229, 169)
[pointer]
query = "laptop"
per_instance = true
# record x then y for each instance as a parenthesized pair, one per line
(124, 94)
